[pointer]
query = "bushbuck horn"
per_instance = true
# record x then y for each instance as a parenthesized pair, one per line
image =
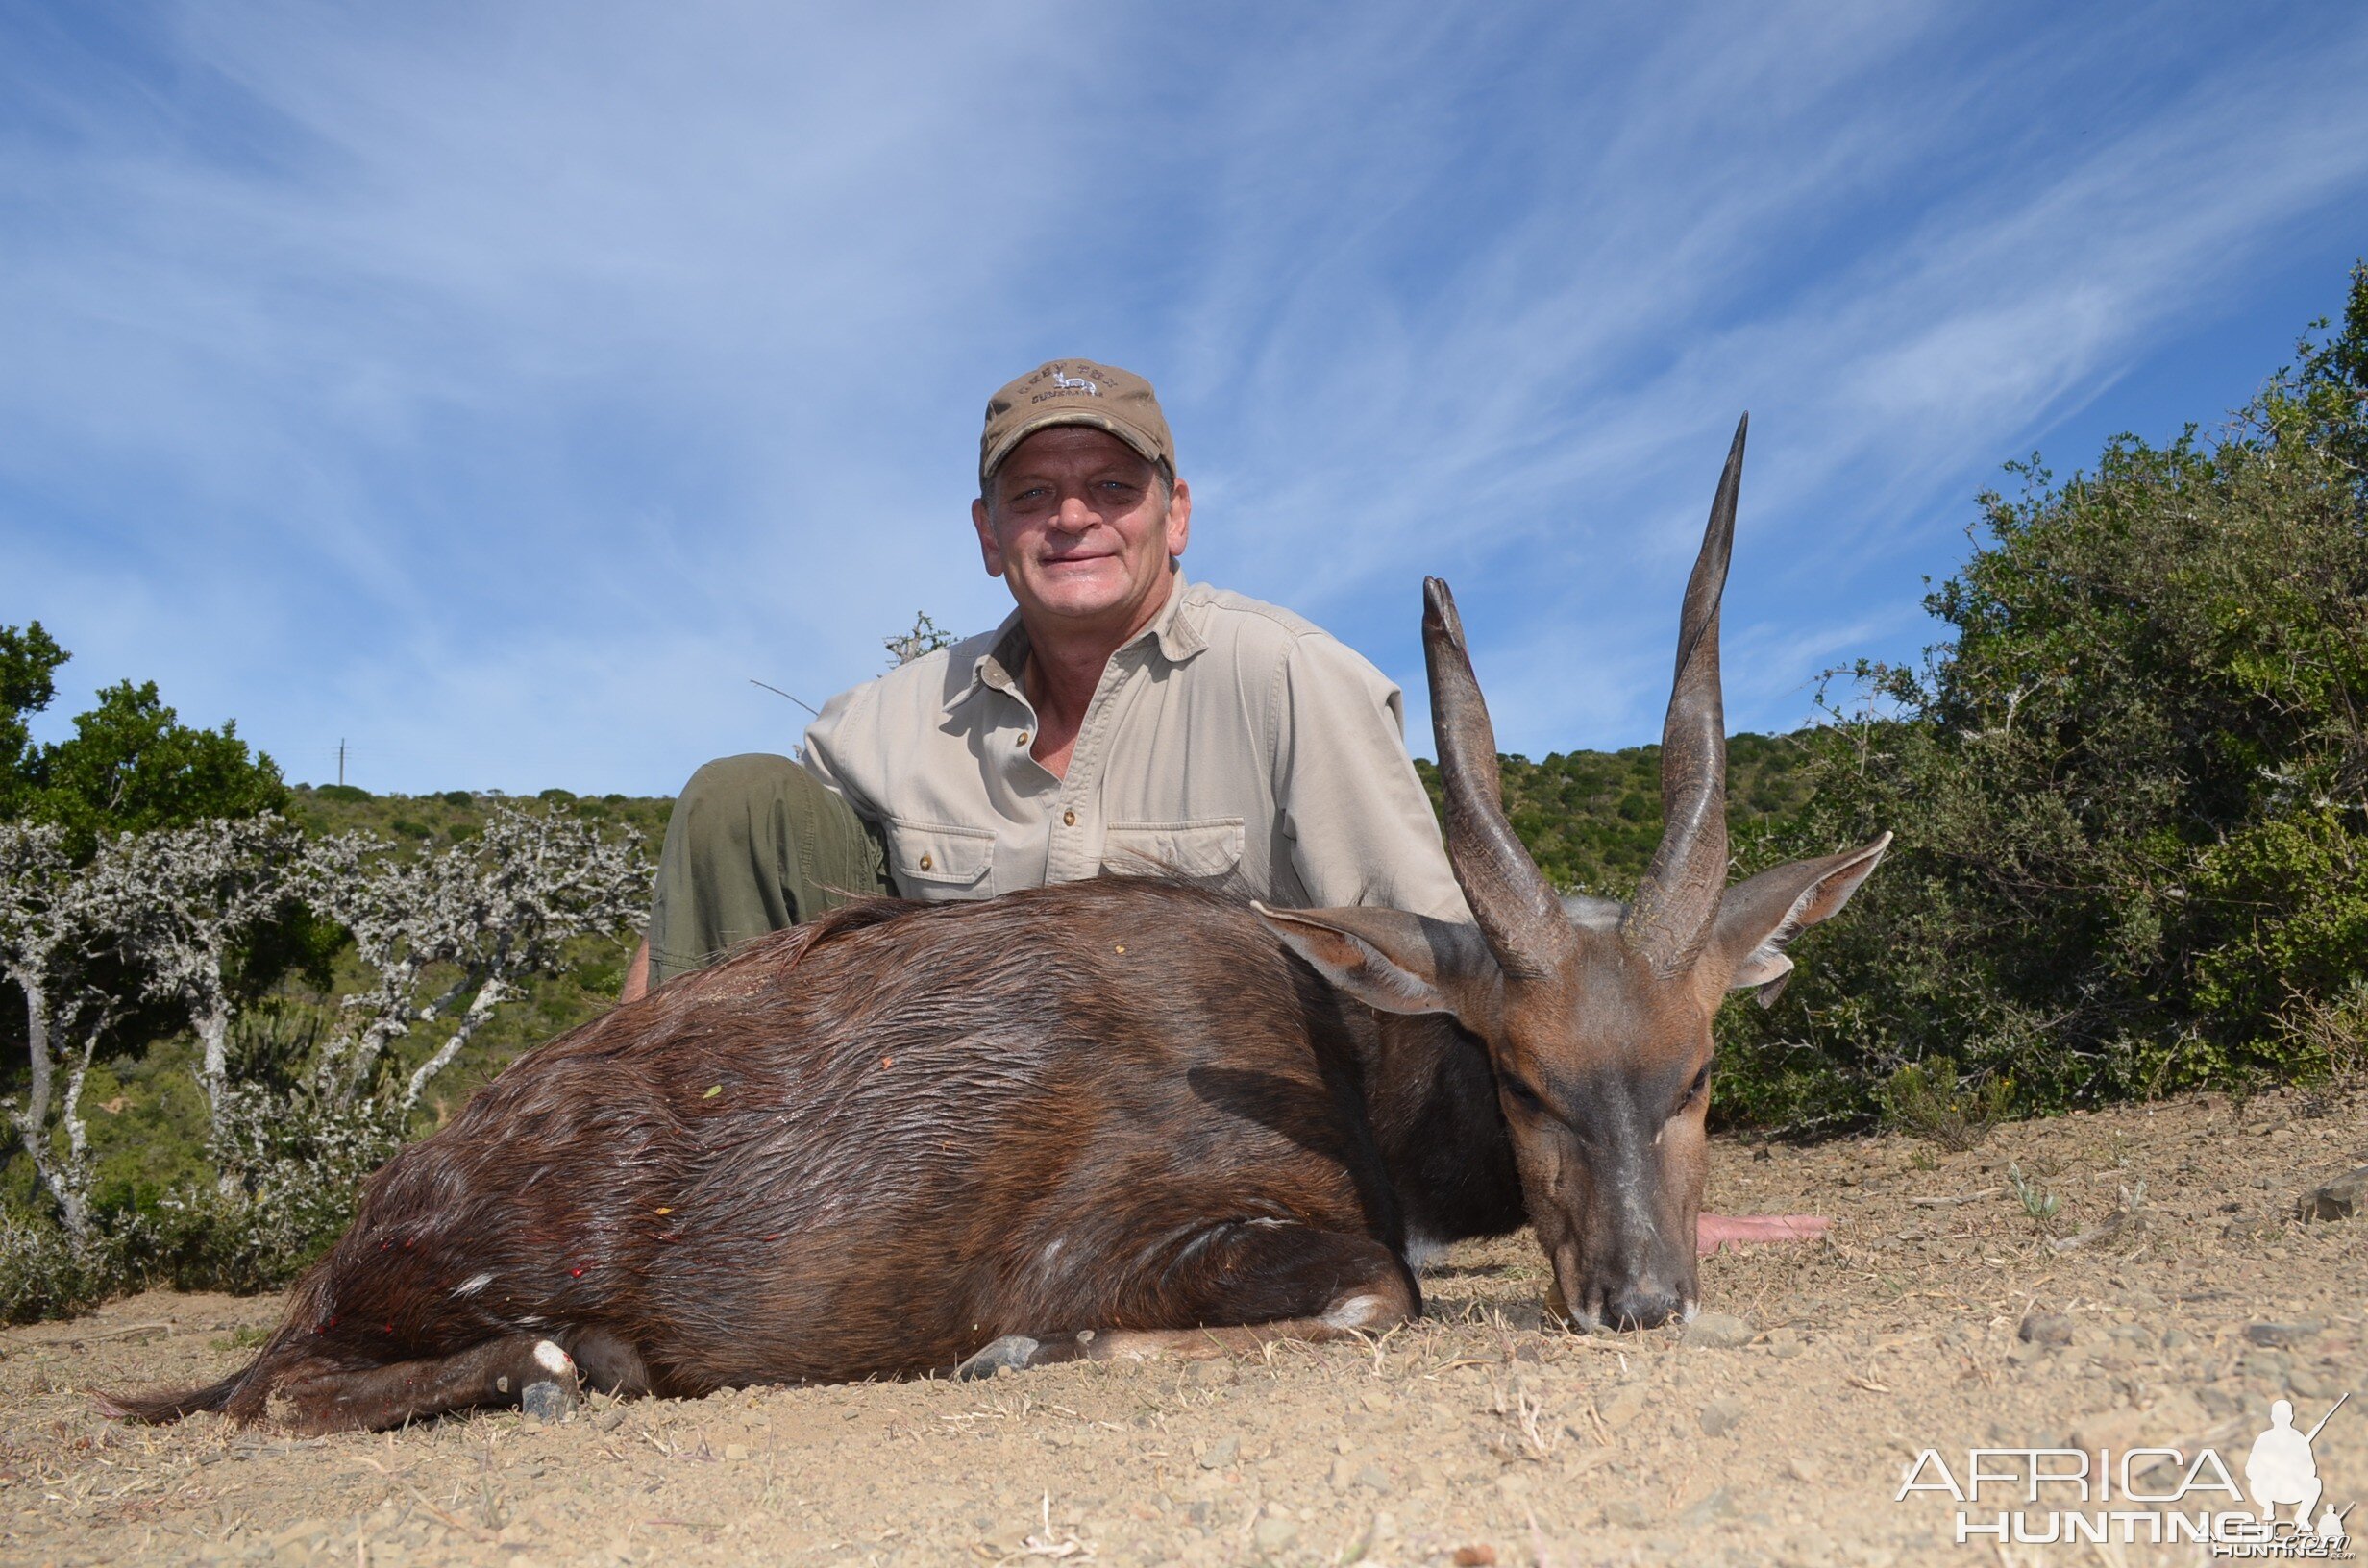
(1511, 900)
(1678, 897)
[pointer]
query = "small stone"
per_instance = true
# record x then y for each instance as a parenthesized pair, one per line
(2024, 1352)
(1373, 1478)
(1343, 1474)
(2281, 1335)
(1513, 1483)
(1709, 1510)
(1718, 1330)
(735, 1451)
(1273, 1535)
(610, 1420)
(1630, 1514)
(2269, 1366)
(2342, 1198)
(1803, 1469)
(1221, 1453)
(2257, 1228)
(1479, 1555)
(1721, 1417)
(2177, 1340)
(1622, 1406)
(2045, 1329)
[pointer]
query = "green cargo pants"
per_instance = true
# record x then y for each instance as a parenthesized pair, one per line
(754, 846)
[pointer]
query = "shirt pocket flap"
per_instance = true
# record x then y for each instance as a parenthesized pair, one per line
(1201, 850)
(930, 852)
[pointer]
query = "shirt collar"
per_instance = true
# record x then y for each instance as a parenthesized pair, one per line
(1176, 629)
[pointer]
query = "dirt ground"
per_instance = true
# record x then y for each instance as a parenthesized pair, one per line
(1476, 1435)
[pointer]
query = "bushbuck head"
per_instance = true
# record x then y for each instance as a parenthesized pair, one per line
(1596, 1014)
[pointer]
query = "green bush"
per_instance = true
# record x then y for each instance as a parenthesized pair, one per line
(2131, 794)
(1927, 1099)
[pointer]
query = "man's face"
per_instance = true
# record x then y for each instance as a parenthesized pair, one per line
(1077, 523)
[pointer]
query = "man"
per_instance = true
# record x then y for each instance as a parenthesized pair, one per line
(1121, 719)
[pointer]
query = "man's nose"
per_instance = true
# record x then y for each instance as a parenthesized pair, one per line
(1073, 516)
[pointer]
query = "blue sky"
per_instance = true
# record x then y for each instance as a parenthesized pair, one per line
(501, 387)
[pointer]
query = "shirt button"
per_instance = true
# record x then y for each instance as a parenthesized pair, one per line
(1069, 818)
(924, 863)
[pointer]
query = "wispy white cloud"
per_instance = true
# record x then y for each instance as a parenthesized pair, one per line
(501, 389)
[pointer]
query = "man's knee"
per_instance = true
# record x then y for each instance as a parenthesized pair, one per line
(731, 786)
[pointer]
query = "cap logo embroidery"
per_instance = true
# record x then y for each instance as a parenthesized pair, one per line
(1075, 383)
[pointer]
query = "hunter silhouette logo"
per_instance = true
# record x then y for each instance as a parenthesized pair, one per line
(1073, 384)
(2281, 1471)
(2152, 1494)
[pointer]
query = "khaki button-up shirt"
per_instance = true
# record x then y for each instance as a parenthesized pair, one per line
(1230, 744)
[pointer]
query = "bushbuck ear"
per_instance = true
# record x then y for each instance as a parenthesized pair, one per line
(1393, 961)
(1758, 916)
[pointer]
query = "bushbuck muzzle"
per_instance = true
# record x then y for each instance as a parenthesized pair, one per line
(1596, 1014)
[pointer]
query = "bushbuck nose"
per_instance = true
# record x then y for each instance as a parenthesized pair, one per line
(1639, 1307)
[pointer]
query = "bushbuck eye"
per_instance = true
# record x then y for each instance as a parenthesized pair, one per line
(1522, 1095)
(1694, 1090)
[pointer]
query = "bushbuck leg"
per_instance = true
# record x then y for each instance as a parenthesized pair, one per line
(1249, 1281)
(532, 1371)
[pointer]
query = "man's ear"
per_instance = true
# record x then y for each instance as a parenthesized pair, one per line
(990, 549)
(1179, 519)
(1393, 961)
(1758, 916)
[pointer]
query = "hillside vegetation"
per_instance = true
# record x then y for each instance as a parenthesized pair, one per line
(1592, 818)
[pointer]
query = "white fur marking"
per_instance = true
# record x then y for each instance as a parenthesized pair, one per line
(1423, 1251)
(473, 1284)
(1353, 1313)
(551, 1358)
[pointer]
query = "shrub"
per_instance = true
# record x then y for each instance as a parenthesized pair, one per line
(1926, 1098)
(2131, 794)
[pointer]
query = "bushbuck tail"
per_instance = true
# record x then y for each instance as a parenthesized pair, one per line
(1094, 1119)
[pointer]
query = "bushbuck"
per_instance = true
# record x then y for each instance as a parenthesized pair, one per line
(1090, 1119)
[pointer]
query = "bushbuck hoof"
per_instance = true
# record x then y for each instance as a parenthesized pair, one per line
(1012, 1353)
(555, 1398)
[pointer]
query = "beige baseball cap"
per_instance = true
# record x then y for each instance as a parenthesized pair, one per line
(1075, 392)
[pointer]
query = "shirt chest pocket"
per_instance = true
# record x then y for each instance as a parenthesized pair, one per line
(937, 864)
(1207, 852)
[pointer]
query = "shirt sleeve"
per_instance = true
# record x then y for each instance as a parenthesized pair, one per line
(1361, 827)
(842, 749)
